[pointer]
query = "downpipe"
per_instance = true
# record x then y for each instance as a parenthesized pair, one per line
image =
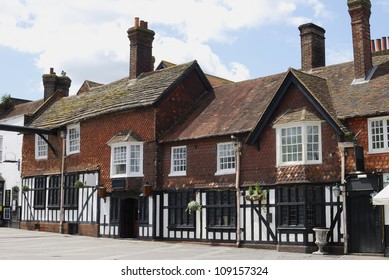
(238, 151)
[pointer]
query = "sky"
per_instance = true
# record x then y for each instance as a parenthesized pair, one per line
(232, 39)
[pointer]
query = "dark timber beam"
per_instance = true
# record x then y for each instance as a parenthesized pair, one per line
(40, 131)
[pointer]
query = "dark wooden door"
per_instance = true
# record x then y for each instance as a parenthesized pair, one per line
(129, 218)
(364, 223)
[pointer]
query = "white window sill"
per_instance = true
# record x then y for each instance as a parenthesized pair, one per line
(299, 163)
(225, 172)
(382, 151)
(177, 174)
(126, 176)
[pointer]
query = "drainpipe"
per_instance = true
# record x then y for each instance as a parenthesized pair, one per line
(61, 208)
(238, 150)
(342, 146)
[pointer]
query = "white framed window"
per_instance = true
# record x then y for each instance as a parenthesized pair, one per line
(178, 161)
(41, 147)
(378, 135)
(127, 159)
(73, 139)
(299, 143)
(225, 158)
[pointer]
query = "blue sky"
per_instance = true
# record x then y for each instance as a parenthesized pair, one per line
(233, 39)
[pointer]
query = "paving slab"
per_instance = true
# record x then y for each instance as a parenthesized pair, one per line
(18, 244)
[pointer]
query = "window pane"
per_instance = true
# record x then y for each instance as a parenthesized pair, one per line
(226, 154)
(312, 143)
(377, 136)
(179, 159)
(135, 158)
(74, 139)
(291, 144)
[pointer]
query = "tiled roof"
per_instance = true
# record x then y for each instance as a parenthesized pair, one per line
(359, 99)
(121, 95)
(214, 80)
(236, 108)
(27, 108)
(233, 108)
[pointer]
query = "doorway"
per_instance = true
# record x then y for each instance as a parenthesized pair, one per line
(129, 218)
(365, 224)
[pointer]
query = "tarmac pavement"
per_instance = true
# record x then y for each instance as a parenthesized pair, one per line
(17, 244)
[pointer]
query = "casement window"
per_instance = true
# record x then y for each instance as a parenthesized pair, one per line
(40, 192)
(178, 161)
(225, 158)
(301, 206)
(221, 209)
(177, 204)
(378, 135)
(70, 191)
(73, 139)
(127, 159)
(54, 191)
(41, 147)
(299, 144)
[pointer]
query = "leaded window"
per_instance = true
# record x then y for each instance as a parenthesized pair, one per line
(54, 191)
(143, 210)
(301, 206)
(114, 210)
(221, 209)
(40, 192)
(70, 191)
(178, 202)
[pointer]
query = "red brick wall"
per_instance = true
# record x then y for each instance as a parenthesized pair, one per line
(94, 152)
(373, 162)
(257, 165)
(201, 164)
(179, 101)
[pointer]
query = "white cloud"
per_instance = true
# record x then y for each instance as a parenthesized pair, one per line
(88, 39)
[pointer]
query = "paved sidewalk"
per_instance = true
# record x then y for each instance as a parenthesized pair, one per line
(17, 244)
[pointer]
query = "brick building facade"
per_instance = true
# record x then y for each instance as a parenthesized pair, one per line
(263, 158)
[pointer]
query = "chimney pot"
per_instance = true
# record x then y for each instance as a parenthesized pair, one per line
(384, 45)
(372, 45)
(378, 44)
(136, 22)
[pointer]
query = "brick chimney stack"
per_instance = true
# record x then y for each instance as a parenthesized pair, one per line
(360, 11)
(52, 83)
(141, 40)
(312, 46)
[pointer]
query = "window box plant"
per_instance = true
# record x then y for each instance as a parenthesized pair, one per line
(79, 184)
(193, 206)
